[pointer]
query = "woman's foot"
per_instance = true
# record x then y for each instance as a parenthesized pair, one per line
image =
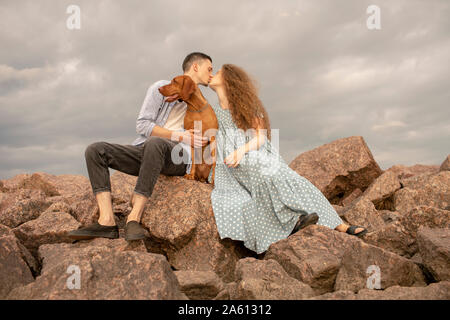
(353, 230)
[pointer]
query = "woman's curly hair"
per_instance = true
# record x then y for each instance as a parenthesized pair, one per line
(242, 94)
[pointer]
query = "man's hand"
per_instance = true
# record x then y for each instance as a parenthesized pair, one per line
(192, 137)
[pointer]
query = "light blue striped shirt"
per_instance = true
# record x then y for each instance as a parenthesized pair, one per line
(154, 112)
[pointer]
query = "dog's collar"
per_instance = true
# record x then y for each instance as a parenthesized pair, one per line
(206, 104)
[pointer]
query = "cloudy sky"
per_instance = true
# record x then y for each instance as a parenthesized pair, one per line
(322, 73)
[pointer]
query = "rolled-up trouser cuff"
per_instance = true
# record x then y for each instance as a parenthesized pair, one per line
(145, 194)
(101, 190)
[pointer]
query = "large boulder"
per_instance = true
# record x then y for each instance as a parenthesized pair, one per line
(362, 212)
(182, 226)
(434, 291)
(434, 248)
(266, 280)
(424, 190)
(312, 255)
(50, 227)
(338, 168)
(86, 271)
(22, 205)
(445, 166)
(400, 235)
(360, 261)
(380, 192)
(16, 262)
(199, 285)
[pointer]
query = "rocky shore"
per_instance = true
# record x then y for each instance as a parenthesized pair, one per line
(405, 254)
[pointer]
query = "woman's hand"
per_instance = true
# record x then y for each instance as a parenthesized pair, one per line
(233, 159)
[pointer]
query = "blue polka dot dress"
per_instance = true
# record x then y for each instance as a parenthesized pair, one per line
(260, 200)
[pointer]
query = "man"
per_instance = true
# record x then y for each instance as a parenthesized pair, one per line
(160, 126)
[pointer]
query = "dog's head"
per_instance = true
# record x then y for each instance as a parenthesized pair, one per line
(181, 87)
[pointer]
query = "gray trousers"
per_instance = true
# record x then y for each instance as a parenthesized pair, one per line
(146, 161)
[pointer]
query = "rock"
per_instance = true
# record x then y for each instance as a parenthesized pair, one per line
(434, 248)
(266, 280)
(354, 195)
(21, 206)
(400, 236)
(404, 172)
(15, 263)
(394, 269)
(338, 168)
(50, 227)
(424, 190)
(339, 210)
(362, 212)
(133, 275)
(184, 228)
(427, 217)
(380, 192)
(394, 238)
(312, 255)
(74, 190)
(434, 291)
(389, 216)
(445, 166)
(199, 285)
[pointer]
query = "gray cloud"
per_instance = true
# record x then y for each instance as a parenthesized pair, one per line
(323, 75)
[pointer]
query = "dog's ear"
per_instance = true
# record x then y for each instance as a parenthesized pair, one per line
(171, 90)
(187, 88)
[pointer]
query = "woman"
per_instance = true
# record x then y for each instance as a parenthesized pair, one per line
(257, 198)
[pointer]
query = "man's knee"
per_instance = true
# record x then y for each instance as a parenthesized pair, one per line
(93, 149)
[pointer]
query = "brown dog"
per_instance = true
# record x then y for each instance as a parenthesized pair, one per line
(198, 109)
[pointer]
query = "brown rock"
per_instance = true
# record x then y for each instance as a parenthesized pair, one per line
(312, 255)
(36, 182)
(382, 189)
(14, 262)
(394, 269)
(445, 166)
(405, 172)
(434, 248)
(50, 227)
(266, 280)
(74, 190)
(400, 236)
(393, 237)
(133, 275)
(362, 212)
(199, 285)
(426, 217)
(389, 216)
(434, 291)
(354, 195)
(426, 189)
(20, 206)
(338, 168)
(181, 224)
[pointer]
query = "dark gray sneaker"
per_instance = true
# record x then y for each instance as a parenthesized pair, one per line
(134, 231)
(94, 230)
(304, 221)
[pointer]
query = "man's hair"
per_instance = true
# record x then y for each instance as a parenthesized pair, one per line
(194, 57)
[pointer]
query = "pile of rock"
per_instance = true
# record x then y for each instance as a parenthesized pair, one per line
(405, 255)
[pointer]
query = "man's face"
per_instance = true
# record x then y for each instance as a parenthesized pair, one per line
(204, 72)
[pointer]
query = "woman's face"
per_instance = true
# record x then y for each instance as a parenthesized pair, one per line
(217, 80)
